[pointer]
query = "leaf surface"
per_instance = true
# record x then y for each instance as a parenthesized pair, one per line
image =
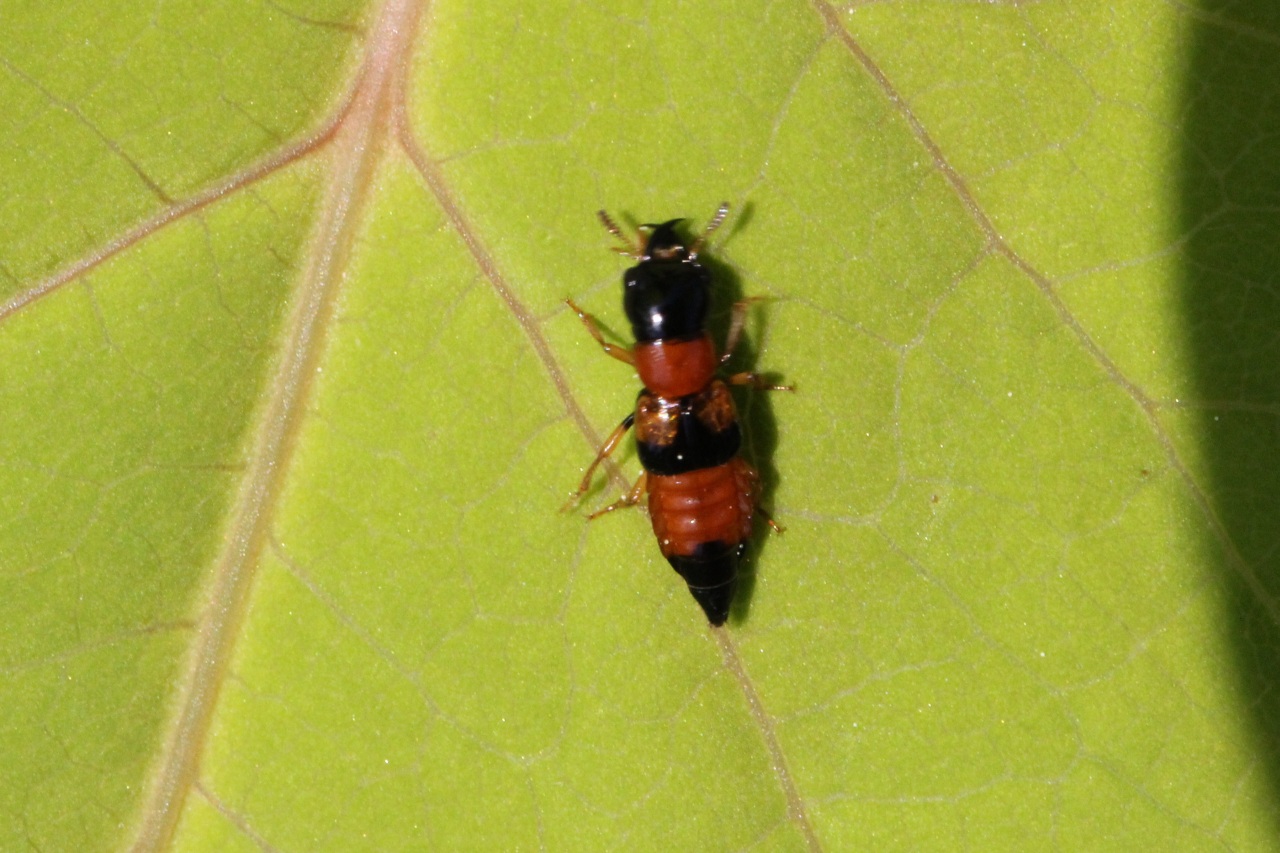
(291, 398)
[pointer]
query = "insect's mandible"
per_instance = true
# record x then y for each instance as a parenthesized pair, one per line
(703, 495)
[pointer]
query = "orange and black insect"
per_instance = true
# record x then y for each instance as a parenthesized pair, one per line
(702, 494)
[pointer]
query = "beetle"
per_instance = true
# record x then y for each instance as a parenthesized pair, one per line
(703, 495)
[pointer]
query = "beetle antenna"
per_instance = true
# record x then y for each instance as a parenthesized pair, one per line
(715, 222)
(632, 249)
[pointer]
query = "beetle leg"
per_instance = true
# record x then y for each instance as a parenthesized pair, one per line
(757, 381)
(768, 519)
(631, 498)
(749, 488)
(606, 449)
(621, 353)
(737, 319)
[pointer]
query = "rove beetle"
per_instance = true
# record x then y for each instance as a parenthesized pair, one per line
(702, 494)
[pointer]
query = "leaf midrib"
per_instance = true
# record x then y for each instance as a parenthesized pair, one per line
(357, 136)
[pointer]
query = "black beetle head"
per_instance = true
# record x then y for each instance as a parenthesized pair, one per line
(667, 293)
(664, 243)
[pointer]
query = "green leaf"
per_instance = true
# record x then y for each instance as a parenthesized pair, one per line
(290, 400)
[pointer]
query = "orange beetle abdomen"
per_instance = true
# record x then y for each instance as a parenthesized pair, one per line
(703, 506)
(703, 520)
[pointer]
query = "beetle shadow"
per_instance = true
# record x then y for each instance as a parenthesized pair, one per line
(755, 407)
